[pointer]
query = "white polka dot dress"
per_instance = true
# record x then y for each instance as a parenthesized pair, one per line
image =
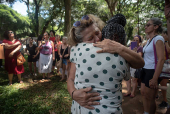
(104, 72)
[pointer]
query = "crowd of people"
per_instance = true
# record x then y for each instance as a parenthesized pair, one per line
(97, 60)
(42, 55)
(97, 70)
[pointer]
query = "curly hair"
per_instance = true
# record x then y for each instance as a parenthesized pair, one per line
(114, 29)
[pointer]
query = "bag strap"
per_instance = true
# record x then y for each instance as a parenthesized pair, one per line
(154, 53)
(64, 50)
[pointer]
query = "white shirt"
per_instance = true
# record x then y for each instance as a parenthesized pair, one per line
(148, 51)
(104, 72)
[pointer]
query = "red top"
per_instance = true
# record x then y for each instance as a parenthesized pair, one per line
(52, 39)
(11, 62)
(55, 46)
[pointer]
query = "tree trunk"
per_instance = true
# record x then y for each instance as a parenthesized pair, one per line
(67, 20)
(36, 22)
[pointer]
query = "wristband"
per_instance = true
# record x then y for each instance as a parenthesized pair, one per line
(166, 41)
(72, 93)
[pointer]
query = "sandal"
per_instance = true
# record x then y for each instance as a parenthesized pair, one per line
(126, 95)
(132, 96)
(9, 84)
(21, 82)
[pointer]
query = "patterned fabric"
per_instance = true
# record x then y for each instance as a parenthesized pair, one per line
(45, 63)
(46, 48)
(104, 73)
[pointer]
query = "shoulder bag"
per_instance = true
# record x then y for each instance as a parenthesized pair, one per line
(60, 62)
(20, 60)
(166, 67)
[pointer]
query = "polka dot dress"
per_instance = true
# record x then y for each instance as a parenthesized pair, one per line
(103, 72)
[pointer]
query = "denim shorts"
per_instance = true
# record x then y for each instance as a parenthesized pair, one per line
(65, 61)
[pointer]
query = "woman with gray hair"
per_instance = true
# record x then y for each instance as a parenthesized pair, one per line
(150, 78)
(64, 54)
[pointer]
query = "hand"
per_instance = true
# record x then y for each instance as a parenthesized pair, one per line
(86, 99)
(135, 49)
(66, 55)
(11, 54)
(108, 46)
(17, 43)
(153, 83)
(34, 56)
(60, 56)
(28, 54)
(53, 58)
(3, 44)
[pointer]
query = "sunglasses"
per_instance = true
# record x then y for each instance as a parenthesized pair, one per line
(78, 23)
(147, 25)
(11, 32)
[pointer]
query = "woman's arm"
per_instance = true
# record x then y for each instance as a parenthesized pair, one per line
(14, 51)
(153, 83)
(163, 87)
(26, 51)
(53, 50)
(59, 52)
(36, 53)
(39, 46)
(8, 46)
(109, 46)
(167, 47)
(81, 96)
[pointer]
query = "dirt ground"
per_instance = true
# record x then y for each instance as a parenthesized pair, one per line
(135, 106)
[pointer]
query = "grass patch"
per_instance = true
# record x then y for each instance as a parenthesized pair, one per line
(33, 97)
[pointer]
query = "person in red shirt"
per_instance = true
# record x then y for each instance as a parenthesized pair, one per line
(56, 47)
(52, 35)
(12, 47)
(52, 38)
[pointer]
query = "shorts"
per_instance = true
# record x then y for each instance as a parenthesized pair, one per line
(147, 75)
(56, 57)
(132, 72)
(65, 61)
(30, 59)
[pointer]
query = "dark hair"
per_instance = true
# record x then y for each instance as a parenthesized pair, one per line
(6, 33)
(140, 40)
(39, 38)
(47, 33)
(31, 38)
(114, 29)
(52, 32)
(157, 21)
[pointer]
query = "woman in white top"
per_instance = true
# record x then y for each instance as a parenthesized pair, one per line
(151, 74)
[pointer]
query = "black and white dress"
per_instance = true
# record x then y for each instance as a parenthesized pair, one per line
(104, 72)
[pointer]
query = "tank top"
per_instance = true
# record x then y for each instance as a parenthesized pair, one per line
(66, 52)
(46, 48)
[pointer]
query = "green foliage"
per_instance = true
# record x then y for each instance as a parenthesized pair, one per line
(33, 97)
(11, 20)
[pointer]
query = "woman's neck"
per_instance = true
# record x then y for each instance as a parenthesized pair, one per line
(30, 44)
(11, 38)
(46, 40)
(151, 35)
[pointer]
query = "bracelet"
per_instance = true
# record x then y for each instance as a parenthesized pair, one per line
(72, 93)
(166, 41)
